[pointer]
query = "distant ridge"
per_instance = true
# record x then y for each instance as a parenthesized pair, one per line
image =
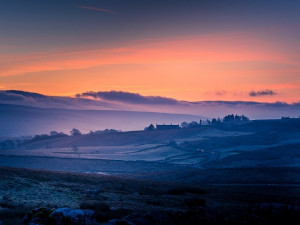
(17, 120)
(126, 101)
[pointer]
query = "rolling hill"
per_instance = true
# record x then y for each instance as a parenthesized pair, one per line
(17, 120)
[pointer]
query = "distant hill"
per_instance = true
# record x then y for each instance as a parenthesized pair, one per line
(126, 101)
(17, 120)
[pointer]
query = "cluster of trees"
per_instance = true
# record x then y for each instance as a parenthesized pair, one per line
(53, 134)
(14, 143)
(9, 144)
(192, 124)
(76, 132)
(106, 131)
(73, 132)
(235, 119)
(229, 119)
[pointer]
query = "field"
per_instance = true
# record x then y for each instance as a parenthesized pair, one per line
(238, 174)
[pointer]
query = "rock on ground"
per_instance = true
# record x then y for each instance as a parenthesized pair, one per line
(60, 216)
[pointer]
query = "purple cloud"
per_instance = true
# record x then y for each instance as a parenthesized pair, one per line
(262, 93)
(128, 97)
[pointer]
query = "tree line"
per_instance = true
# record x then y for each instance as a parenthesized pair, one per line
(14, 143)
(229, 119)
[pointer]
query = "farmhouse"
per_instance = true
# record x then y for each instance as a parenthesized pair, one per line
(167, 127)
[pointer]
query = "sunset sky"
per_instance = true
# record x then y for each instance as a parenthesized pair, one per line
(189, 50)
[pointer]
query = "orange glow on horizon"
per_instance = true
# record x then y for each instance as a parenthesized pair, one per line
(206, 67)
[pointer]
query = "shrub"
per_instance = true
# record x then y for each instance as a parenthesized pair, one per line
(95, 206)
(194, 202)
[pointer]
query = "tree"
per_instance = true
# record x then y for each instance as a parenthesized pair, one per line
(237, 118)
(75, 132)
(228, 119)
(184, 125)
(54, 133)
(193, 124)
(208, 122)
(40, 137)
(75, 149)
(8, 144)
(245, 118)
(62, 134)
(214, 121)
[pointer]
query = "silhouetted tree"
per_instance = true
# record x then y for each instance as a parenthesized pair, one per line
(184, 125)
(228, 119)
(54, 133)
(75, 149)
(244, 118)
(40, 137)
(237, 118)
(193, 124)
(8, 144)
(75, 132)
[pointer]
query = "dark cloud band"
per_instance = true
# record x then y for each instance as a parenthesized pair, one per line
(261, 93)
(128, 97)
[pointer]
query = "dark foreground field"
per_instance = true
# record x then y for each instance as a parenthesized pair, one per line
(142, 201)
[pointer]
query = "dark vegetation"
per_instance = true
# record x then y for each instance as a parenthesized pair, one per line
(260, 138)
(10, 144)
(214, 122)
(146, 202)
(14, 143)
(276, 155)
(103, 211)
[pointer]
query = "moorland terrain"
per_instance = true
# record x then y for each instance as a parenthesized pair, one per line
(238, 173)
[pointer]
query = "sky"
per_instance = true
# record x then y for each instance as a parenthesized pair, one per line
(191, 50)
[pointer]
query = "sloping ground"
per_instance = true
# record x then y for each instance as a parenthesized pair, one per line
(23, 120)
(87, 165)
(157, 145)
(197, 147)
(171, 153)
(287, 155)
(257, 176)
(265, 138)
(161, 171)
(124, 138)
(159, 150)
(282, 125)
(21, 190)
